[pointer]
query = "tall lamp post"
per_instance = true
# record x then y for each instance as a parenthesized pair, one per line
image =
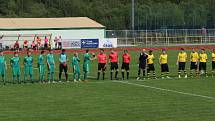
(132, 14)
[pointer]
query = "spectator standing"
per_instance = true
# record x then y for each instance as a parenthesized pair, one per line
(46, 41)
(59, 42)
(26, 43)
(56, 42)
(38, 40)
(33, 45)
(16, 45)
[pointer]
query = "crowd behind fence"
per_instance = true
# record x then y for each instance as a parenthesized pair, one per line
(163, 37)
(14, 41)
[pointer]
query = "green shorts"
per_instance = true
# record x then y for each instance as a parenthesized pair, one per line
(41, 69)
(77, 69)
(86, 68)
(51, 69)
(16, 71)
(2, 70)
(28, 70)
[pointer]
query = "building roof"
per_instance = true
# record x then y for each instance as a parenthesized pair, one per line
(49, 23)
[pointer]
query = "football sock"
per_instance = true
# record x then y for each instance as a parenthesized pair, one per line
(127, 74)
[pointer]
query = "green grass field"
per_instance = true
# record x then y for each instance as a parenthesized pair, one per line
(129, 100)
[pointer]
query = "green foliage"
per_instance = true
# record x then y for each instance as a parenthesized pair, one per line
(116, 14)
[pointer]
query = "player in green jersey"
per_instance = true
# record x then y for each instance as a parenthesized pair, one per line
(3, 66)
(86, 63)
(76, 67)
(14, 62)
(51, 66)
(41, 66)
(28, 66)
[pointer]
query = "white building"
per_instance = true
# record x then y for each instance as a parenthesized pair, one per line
(12, 29)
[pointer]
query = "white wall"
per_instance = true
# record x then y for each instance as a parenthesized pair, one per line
(66, 34)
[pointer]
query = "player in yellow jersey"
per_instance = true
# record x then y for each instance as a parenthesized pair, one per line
(150, 65)
(194, 59)
(213, 63)
(202, 62)
(181, 62)
(164, 64)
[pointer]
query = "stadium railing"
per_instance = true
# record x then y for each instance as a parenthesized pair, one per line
(8, 40)
(163, 37)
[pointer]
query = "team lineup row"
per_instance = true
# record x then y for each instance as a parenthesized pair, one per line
(198, 64)
(145, 62)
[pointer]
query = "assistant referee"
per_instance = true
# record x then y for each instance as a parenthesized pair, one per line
(63, 65)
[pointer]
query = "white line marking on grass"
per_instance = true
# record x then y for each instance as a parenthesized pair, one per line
(166, 90)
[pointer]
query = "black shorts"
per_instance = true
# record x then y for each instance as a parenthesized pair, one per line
(125, 66)
(181, 66)
(62, 68)
(213, 65)
(164, 68)
(101, 66)
(114, 65)
(193, 66)
(150, 67)
(46, 45)
(142, 66)
(202, 66)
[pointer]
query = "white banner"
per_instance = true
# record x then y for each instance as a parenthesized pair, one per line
(108, 43)
(76, 43)
(71, 43)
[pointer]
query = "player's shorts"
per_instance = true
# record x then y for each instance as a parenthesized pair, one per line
(51, 69)
(202, 66)
(86, 67)
(41, 69)
(213, 65)
(16, 71)
(76, 69)
(181, 65)
(125, 66)
(101, 66)
(28, 70)
(164, 68)
(150, 67)
(193, 66)
(114, 65)
(142, 66)
(2, 70)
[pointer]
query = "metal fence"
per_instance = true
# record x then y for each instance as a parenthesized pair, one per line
(163, 37)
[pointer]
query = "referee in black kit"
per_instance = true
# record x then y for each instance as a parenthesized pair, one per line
(142, 63)
(63, 65)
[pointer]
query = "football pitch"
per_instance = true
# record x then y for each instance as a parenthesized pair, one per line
(117, 100)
